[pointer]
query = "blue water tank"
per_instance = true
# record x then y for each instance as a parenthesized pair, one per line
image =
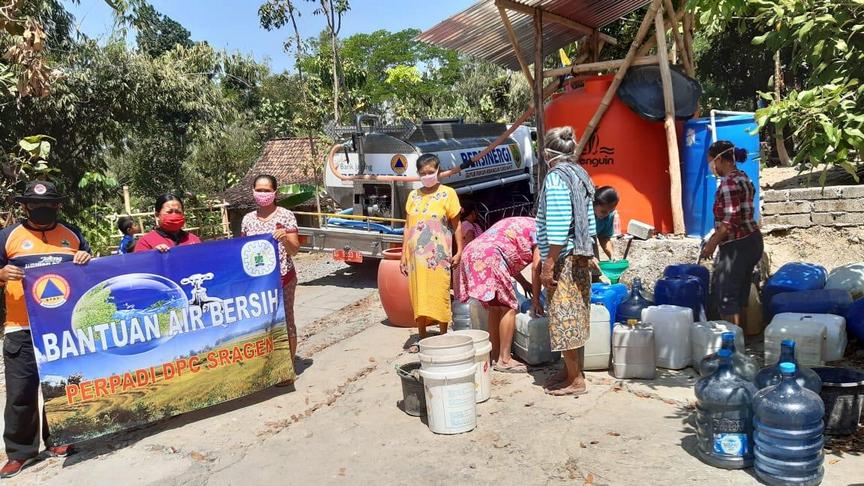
(609, 296)
(820, 301)
(855, 319)
(683, 291)
(794, 277)
(698, 185)
(694, 270)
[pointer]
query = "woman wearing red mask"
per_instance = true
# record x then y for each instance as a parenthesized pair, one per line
(169, 227)
(270, 219)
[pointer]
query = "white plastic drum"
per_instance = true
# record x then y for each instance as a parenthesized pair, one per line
(598, 349)
(835, 331)
(706, 338)
(671, 325)
(483, 373)
(810, 339)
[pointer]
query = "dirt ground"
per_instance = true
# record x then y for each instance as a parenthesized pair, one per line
(342, 424)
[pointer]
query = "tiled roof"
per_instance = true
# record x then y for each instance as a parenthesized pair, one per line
(286, 159)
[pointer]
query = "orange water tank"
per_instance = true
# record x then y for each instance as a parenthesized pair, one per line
(626, 152)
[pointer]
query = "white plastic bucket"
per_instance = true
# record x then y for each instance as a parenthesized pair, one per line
(483, 373)
(451, 406)
(448, 352)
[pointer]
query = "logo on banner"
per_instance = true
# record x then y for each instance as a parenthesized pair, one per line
(399, 164)
(51, 291)
(259, 258)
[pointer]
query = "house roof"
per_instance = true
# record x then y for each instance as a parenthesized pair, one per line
(479, 31)
(289, 160)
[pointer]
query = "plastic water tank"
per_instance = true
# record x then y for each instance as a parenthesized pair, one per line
(698, 185)
(598, 349)
(694, 270)
(819, 301)
(671, 325)
(531, 340)
(707, 338)
(610, 296)
(770, 375)
(788, 432)
(724, 417)
(683, 291)
(834, 346)
(848, 277)
(626, 152)
(855, 319)
(794, 277)
(633, 351)
(810, 339)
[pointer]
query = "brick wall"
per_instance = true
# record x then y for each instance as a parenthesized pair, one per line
(813, 206)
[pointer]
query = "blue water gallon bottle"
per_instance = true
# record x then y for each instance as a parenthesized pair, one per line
(788, 432)
(770, 375)
(741, 363)
(724, 417)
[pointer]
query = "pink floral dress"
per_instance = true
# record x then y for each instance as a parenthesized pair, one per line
(490, 261)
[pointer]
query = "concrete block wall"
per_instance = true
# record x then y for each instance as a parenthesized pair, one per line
(813, 206)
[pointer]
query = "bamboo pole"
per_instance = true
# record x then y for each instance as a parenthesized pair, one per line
(538, 96)
(669, 124)
(597, 67)
(679, 40)
(688, 43)
(616, 81)
(652, 41)
(127, 201)
(515, 42)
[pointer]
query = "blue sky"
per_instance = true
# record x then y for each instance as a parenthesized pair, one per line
(233, 24)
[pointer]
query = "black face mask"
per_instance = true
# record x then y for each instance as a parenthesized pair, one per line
(42, 216)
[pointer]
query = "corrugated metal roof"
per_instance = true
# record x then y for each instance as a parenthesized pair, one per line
(478, 30)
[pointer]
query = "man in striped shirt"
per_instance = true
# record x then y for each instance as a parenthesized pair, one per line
(565, 226)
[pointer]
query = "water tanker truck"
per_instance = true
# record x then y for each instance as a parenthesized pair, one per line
(372, 169)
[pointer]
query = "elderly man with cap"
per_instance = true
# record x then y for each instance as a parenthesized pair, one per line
(39, 240)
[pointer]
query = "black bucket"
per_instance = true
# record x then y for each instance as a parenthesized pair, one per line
(413, 392)
(843, 394)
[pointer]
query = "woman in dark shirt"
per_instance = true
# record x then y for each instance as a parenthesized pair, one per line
(736, 232)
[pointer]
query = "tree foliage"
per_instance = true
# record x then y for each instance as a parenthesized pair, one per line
(158, 33)
(826, 43)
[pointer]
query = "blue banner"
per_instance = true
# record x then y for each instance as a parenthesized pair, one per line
(130, 339)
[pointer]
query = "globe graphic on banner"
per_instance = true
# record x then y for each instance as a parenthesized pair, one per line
(125, 300)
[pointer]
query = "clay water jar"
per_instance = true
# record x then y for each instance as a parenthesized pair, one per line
(393, 290)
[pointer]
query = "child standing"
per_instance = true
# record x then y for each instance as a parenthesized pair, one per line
(129, 228)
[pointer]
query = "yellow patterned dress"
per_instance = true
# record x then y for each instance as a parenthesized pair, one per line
(429, 252)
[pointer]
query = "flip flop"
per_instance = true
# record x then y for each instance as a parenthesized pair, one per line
(520, 368)
(559, 392)
(413, 349)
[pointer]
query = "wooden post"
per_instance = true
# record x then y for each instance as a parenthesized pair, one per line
(538, 97)
(616, 81)
(226, 225)
(652, 41)
(688, 43)
(669, 124)
(515, 42)
(676, 34)
(595, 67)
(127, 202)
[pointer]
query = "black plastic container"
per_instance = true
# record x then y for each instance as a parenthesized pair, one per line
(843, 394)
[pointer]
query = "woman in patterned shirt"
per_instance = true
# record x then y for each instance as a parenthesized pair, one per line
(270, 219)
(735, 231)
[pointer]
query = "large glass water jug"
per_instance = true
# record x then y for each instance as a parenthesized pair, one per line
(632, 306)
(770, 375)
(788, 432)
(744, 365)
(724, 416)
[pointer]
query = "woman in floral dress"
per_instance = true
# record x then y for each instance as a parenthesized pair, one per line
(486, 273)
(427, 257)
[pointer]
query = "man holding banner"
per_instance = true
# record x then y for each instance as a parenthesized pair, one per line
(38, 241)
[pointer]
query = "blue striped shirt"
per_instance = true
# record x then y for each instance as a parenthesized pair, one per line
(554, 227)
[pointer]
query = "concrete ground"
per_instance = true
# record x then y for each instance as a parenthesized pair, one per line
(342, 425)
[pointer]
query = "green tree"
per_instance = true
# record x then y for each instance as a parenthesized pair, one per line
(158, 33)
(826, 39)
